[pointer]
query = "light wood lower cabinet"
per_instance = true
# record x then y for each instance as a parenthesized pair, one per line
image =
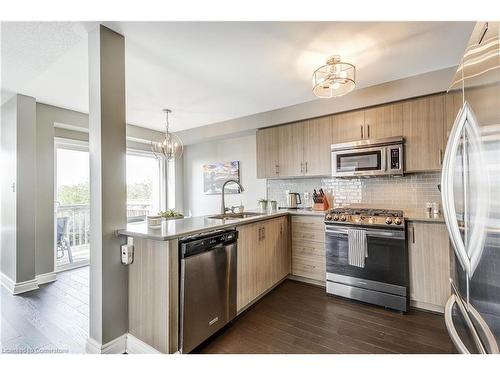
(429, 258)
(263, 258)
(308, 248)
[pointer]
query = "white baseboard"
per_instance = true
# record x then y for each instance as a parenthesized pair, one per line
(7, 282)
(17, 288)
(116, 346)
(45, 278)
(126, 343)
(136, 346)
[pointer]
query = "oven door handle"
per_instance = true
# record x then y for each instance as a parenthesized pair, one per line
(369, 232)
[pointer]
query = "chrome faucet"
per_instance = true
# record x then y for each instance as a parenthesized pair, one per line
(223, 208)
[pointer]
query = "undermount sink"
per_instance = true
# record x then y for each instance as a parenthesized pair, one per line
(234, 216)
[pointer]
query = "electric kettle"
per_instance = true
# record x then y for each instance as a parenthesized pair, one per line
(293, 199)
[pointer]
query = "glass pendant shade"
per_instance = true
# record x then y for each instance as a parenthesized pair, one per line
(171, 147)
(336, 78)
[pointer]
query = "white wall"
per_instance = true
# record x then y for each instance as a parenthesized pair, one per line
(242, 149)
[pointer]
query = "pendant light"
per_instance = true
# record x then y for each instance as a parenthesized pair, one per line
(171, 147)
(336, 78)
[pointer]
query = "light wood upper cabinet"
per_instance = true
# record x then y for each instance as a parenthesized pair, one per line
(267, 152)
(348, 127)
(423, 129)
(291, 140)
(452, 105)
(316, 146)
(429, 258)
(384, 121)
(303, 148)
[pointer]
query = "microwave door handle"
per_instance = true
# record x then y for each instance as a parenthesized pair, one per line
(383, 159)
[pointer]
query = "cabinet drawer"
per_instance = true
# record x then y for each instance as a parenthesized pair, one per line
(308, 222)
(308, 268)
(308, 236)
(313, 250)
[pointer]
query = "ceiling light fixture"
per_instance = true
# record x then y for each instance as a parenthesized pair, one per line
(171, 147)
(336, 78)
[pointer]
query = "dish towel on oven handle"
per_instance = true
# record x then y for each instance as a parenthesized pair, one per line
(358, 249)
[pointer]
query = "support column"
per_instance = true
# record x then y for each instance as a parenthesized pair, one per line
(107, 145)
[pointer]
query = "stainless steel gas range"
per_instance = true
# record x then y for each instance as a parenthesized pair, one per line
(366, 256)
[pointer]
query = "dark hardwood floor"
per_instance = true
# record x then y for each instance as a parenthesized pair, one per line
(294, 318)
(52, 319)
(299, 318)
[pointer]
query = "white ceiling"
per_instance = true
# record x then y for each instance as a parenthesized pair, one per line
(209, 72)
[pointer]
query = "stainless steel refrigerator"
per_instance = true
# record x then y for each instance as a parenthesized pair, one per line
(470, 188)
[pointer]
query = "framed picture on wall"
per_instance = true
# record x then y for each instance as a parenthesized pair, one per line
(215, 174)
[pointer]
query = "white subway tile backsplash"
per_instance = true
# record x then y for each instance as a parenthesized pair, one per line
(410, 192)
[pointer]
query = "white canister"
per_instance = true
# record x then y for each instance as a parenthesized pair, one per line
(154, 221)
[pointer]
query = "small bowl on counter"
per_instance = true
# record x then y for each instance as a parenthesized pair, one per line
(154, 221)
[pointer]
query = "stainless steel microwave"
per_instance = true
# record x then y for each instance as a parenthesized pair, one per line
(372, 157)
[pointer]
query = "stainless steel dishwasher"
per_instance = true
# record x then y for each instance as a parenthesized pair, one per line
(207, 285)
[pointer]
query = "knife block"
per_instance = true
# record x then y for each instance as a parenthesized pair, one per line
(323, 205)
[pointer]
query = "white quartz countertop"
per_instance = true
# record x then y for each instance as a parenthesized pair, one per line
(192, 225)
(423, 216)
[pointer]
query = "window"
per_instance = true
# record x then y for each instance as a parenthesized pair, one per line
(144, 185)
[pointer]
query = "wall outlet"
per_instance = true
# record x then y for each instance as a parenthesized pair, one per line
(127, 252)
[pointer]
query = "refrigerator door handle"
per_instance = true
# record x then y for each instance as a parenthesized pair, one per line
(490, 343)
(468, 254)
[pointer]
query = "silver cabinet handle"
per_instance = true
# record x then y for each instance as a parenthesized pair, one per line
(306, 166)
(368, 131)
(413, 234)
(440, 157)
(361, 131)
(277, 169)
(301, 167)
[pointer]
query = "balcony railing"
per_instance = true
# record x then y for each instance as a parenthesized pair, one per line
(78, 227)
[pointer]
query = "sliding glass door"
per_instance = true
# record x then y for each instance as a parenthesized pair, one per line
(72, 210)
(146, 195)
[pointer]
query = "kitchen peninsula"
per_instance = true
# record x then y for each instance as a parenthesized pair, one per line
(264, 241)
(271, 247)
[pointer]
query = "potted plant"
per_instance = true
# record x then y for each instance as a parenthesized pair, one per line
(263, 205)
(170, 214)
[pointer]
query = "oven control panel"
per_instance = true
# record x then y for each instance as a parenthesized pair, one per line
(384, 218)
